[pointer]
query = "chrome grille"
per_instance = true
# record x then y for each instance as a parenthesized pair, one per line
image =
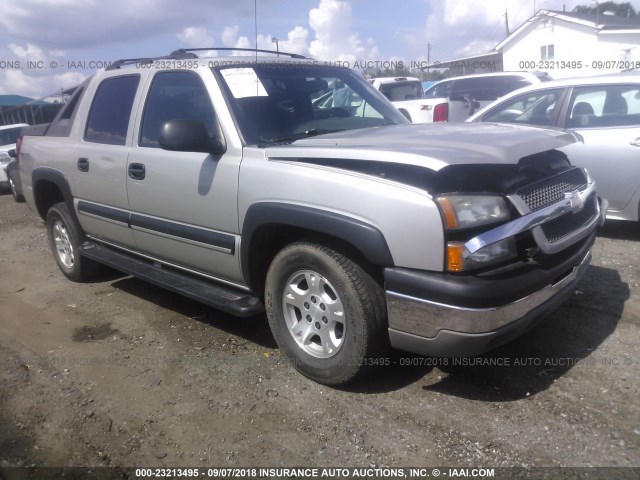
(562, 226)
(540, 194)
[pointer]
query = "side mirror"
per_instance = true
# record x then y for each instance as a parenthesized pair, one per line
(12, 153)
(186, 135)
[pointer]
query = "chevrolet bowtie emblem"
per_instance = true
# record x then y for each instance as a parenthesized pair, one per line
(576, 201)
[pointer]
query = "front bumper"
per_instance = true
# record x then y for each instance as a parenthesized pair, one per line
(449, 316)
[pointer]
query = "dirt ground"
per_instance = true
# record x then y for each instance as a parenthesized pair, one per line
(120, 373)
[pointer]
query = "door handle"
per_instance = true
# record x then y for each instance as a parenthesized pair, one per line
(635, 143)
(83, 164)
(136, 171)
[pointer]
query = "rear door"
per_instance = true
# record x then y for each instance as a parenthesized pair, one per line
(100, 158)
(184, 204)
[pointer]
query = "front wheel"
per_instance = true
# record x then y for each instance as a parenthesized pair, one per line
(65, 238)
(325, 312)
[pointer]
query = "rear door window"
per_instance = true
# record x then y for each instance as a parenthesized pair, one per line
(110, 111)
(399, 91)
(486, 89)
(439, 90)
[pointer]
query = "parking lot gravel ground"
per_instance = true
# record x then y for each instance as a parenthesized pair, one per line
(120, 373)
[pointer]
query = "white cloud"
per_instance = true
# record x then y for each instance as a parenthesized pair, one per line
(196, 37)
(475, 47)
(31, 51)
(22, 83)
(334, 35)
(231, 38)
(296, 42)
(60, 24)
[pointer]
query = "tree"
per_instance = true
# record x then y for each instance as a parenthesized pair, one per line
(619, 9)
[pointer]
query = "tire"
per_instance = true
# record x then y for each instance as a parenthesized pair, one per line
(326, 313)
(16, 196)
(65, 238)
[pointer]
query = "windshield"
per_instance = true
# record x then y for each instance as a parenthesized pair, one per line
(283, 102)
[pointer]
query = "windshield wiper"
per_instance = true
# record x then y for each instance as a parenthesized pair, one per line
(312, 132)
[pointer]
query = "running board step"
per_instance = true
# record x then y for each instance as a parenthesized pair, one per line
(228, 299)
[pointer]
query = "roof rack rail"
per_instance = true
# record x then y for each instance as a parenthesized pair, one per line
(182, 51)
(177, 55)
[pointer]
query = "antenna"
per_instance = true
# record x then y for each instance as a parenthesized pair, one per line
(255, 23)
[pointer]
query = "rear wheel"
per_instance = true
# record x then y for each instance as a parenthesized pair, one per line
(14, 191)
(65, 238)
(325, 313)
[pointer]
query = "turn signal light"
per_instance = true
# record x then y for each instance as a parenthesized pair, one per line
(455, 261)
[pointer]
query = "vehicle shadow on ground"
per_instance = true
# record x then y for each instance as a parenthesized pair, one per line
(106, 274)
(253, 329)
(567, 339)
(620, 230)
(529, 364)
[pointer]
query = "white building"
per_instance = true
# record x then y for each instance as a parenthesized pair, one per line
(563, 44)
(573, 44)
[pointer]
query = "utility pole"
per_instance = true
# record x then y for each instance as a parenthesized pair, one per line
(506, 21)
(428, 58)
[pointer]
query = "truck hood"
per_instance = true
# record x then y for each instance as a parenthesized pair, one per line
(432, 146)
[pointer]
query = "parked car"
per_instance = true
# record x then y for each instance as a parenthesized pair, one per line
(355, 232)
(457, 98)
(605, 111)
(13, 173)
(9, 135)
(426, 85)
(406, 94)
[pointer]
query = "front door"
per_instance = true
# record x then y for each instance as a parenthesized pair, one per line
(183, 204)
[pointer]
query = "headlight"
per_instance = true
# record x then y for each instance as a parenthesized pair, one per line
(460, 212)
(469, 211)
(4, 158)
(460, 259)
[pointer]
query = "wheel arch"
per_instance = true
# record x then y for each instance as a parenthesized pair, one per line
(269, 226)
(50, 186)
(406, 113)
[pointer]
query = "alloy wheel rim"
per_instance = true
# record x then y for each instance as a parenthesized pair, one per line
(314, 314)
(63, 245)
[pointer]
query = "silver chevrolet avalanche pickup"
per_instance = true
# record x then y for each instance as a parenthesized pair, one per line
(236, 182)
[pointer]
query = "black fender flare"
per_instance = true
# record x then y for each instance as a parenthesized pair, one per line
(58, 179)
(367, 239)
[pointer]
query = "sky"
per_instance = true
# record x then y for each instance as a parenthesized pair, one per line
(47, 45)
